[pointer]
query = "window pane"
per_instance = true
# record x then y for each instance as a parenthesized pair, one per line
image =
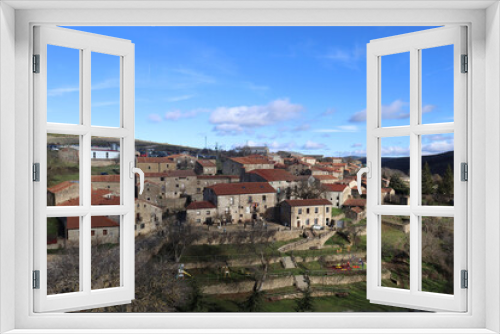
(437, 254)
(395, 251)
(63, 170)
(63, 255)
(395, 90)
(437, 84)
(437, 169)
(105, 90)
(105, 263)
(105, 161)
(395, 183)
(63, 85)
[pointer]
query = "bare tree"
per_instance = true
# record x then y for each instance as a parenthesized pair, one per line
(180, 237)
(305, 190)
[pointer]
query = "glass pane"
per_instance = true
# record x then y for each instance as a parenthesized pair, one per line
(395, 171)
(63, 170)
(437, 169)
(437, 84)
(395, 89)
(105, 263)
(395, 251)
(105, 161)
(105, 90)
(63, 85)
(63, 255)
(437, 254)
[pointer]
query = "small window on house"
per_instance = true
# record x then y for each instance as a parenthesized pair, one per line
(307, 210)
(94, 155)
(92, 233)
(300, 211)
(107, 155)
(315, 221)
(263, 198)
(149, 167)
(142, 226)
(327, 209)
(316, 210)
(104, 232)
(162, 178)
(198, 212)
(198, 221)
(208, 212)
(307, 221)
(231, 200)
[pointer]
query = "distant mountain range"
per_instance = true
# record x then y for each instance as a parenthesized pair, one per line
(437, 163)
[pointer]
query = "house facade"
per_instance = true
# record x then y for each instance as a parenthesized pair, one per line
(237, 166)
(242, 201)
(148, 217)
(281, 180)
(103, 230)
(201, 212)
(62, 192)
(205, 167)
(156, 165)
(337, 193)
(305, 213)
(109, 182)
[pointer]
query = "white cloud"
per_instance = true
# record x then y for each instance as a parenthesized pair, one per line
(255, 87)
(62, 90)
(180, 98)
(108, 83)
(310, 145)
(345, 57)
(105, 104)
(437, 147)
(428, 108)
(246, 117)
(329, 111)
(273, 146)
(302, 127)
(340, 128)
(155, 118)
(356, 145)
(228, 129)
(178, 114)
(395, 151)
(395, 110)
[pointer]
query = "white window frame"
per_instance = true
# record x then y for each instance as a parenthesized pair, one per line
(484, 50)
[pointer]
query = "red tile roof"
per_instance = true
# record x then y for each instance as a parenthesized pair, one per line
(241, 188)
(105, 178)
(206, 163)
(271, 175)
(181, 173)
(336, 187)
(217, 177)
(99, 197)
(325, 177)
(73, 223)
(155, 174)
(200, 205)
(308, 202)
(61, 186)
(355, 202)
(151, 160)
(357, 209)
(252, 160)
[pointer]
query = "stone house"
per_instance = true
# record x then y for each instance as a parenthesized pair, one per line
(148, 217)
(237, 166)
(180, 183)
(298, 168)
(305, 213)
(242, 201)
(387, 195)
(62, 192)
(202, 212)
(203, 181)
(323, 179)
(308, 160)
(337, 193)
(153, 192)
(103, 229)
(352, 202)
(183, 161)
(156, 165)
(281, 180)
(109, 182)
(355, 213)
(98, 197)
(205, 167)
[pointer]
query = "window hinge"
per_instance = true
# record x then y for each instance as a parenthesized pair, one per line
(465, 64)
(465, 279)
(36, 172)
(36, 279)
(464, 171)
(36, 63)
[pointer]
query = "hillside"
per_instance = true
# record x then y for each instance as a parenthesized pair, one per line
(438, 163)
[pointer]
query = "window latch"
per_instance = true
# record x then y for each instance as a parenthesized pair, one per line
(368, 171)
(36, 279)
(36, 63)
(36, 172)
(464, 279)
(464, 171)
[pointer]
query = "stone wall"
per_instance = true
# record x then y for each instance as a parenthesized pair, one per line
(247, 286)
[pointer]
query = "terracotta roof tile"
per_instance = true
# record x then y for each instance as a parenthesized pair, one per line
(325, 177)
(336, 187)
(105, 178)
(151, 160)
(206, 163)
(355, 202)
(241, 188)
(73, 223)
(61, 186)
(273, 174)
(217, 177)
(200, 205)
(252, 160)
(308, 202)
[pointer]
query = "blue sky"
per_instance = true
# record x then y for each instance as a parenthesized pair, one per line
(292, 88)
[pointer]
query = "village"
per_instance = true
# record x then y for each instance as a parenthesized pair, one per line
(243, 226)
